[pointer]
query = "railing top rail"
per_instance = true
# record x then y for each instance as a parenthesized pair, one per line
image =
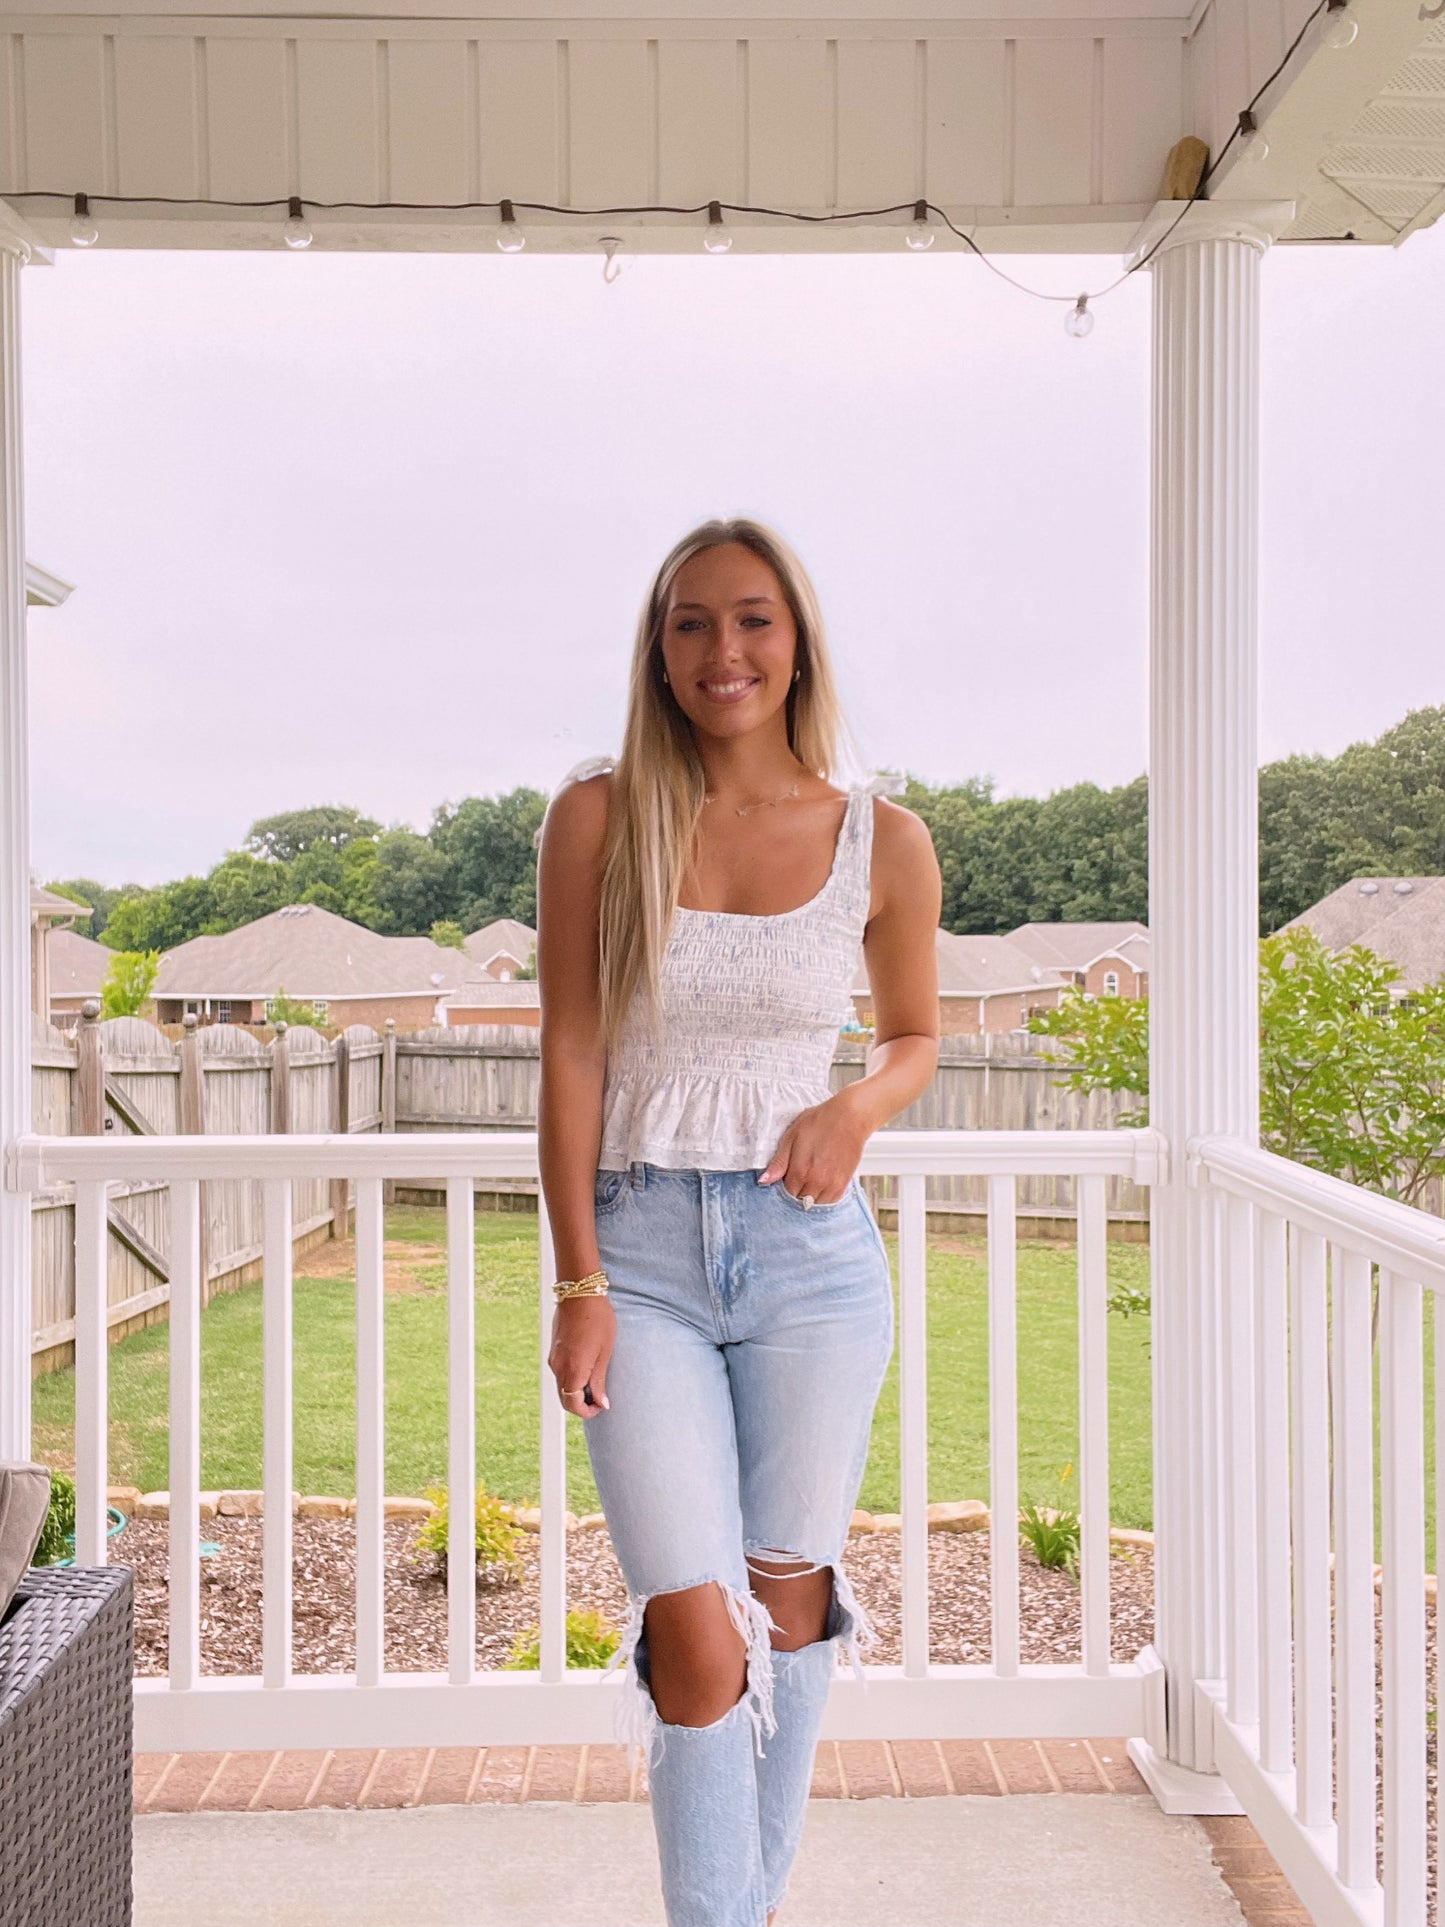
(1392, 1234)
(32, 1163)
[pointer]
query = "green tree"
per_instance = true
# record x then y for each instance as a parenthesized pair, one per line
(411, 884)
(162, 918)
(449, 934)
(245, 887)
(1352, 1074)
(295, 833)
(128, 982)
(487, 842)
(282, 1009)
(101, 897)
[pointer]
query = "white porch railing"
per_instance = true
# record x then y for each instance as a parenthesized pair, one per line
(374, 1707)
(1313, 1270)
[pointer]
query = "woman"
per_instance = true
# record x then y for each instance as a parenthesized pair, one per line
(701, 907)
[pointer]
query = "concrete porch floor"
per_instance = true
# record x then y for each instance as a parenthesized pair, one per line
(1036, 1860)
(901, 1834)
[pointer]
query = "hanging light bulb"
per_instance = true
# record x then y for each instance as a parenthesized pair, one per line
(1255, 144)
(83, 231)
(510, 238)
(611, 267)
(716, 238)
(1343, 26)
(919, 235)
(1079, 322)
(297, 232)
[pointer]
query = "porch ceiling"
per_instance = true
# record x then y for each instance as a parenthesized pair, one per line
(1038, 125)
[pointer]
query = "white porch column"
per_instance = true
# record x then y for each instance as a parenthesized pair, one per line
(1203, 901)
(14, 874)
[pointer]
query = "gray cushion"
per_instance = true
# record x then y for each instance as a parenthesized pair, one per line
(24, 1502)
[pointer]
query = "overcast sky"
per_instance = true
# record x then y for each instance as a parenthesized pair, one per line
(375, 529)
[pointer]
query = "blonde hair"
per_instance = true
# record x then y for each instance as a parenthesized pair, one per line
(657, 785)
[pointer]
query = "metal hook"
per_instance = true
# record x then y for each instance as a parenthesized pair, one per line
(611, 267)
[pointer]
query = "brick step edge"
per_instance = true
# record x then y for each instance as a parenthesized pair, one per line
(950, 1515)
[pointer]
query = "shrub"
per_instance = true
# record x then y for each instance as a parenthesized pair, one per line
(497, 1535)
(592, 1639)
(129, 982)
(57, 1533)
(1052, 1532)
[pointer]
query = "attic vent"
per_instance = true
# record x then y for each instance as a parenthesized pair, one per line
(1403, 887)
(1369, 889)
(294, 909)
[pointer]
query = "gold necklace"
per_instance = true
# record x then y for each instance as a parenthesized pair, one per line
(763, 803)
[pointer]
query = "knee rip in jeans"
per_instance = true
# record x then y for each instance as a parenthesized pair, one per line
(637, 1722)
(846, 1622)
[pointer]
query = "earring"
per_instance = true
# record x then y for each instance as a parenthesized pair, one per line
(664, 678)
(796, 674)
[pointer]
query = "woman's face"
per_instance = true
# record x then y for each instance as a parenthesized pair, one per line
(728, 641)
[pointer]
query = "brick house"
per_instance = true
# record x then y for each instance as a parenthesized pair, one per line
(78, 968)
(494, 1001)
(1401, 918)
(503, 948)
(50, 918)
(1105, 959)
(348, 974)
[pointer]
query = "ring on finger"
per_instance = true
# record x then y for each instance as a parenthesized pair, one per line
(807, 1200)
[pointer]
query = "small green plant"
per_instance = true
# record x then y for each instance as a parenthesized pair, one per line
(449, 934)
(497, 1533)
(57, 1534)
(1052, 1532)
(592, 1639)
(129, 982)
(292, 1011)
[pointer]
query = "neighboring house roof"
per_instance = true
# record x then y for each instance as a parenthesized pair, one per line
(311, 953)
(1074, 946)
(1401, 918)
(51, 905)
(78, 965)
(981, 967)
(496, 993)
(503, 938)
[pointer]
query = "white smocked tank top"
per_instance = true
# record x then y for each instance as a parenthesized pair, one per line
(751, 1007)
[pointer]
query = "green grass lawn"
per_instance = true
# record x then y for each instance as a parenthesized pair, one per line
(508, 1365)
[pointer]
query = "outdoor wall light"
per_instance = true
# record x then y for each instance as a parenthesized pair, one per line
(510, 238)
(296, 232)
(919, 235)
(83, 231)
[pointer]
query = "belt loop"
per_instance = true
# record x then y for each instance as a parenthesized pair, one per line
(637, 1172)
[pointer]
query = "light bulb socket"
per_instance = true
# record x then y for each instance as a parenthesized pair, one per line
(294, 210)
(82, 207)
(920, 211)
(1248, 125)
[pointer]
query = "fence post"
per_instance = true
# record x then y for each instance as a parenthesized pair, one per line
(341, 1125)
(193, 1124)
(280, 1084)
(89, 1072)
(388, 1096)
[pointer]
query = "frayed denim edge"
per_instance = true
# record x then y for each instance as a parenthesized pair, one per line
(855, 1632)
(636, 1721)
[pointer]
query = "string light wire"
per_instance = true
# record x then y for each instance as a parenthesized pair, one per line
(714, 209)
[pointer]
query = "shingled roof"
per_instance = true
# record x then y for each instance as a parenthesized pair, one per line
(1074, 946)
(982, 966)
(1402, 918)
(505, 937)
(311, 953)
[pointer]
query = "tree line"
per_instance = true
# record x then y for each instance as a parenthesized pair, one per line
(1079, 855)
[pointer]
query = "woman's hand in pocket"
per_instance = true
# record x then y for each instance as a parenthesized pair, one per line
(584, 1331)
(819, 1152)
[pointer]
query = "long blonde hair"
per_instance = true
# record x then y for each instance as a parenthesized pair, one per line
(657, 785)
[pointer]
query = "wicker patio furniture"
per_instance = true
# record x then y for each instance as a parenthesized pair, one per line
(65, 1749)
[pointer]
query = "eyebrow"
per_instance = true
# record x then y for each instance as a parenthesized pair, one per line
(740, 601)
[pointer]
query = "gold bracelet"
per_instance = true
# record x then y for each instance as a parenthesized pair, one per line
(594, 1285)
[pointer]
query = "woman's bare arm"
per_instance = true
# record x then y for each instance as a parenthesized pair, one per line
(819, 1151)
(573, 1066)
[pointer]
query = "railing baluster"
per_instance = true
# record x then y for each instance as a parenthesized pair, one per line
(913, 1399)
(461, 1433)
(1093, 1223)
(552, 1616)
(92, 1239)
(1354, 1569)
(276, 1567)
(1003, 1429)
(1310, 1525)
(1241, 1645)
(370, 1432)
(1402, 1523)
(1272, 1495)
(183, 1590)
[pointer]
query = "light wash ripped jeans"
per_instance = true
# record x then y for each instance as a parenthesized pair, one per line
(752, 1339)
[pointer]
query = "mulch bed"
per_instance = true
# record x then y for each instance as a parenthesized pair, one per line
(416, 1600)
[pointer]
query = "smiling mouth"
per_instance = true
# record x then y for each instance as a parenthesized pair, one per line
(729, 690)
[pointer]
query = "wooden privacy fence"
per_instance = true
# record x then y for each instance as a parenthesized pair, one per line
(125, 1077)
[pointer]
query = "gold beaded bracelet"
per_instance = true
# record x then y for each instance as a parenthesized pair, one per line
(594, 1285)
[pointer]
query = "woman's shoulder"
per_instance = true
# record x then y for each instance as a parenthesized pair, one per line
(577, 808)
